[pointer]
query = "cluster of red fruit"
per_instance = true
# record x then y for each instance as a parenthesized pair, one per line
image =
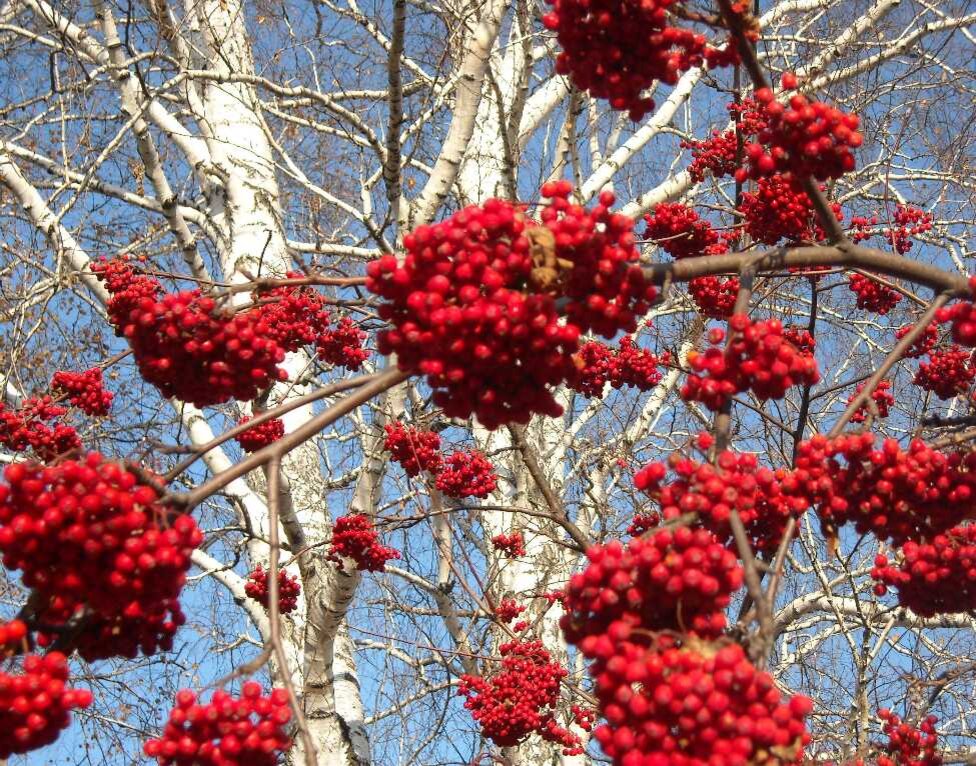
(680, 580)
(697, 704)
(872, 295)
(629, 365)
(12, 635)
(758, 358)
(354, 537)
(91, 539)
(937, 576)
(260, 436)
(508, 609)
(806, 138)
(190, 347)
(962, 319)
(764, 499)
(520, 698)
(473, 304)
(882, 397)
(415, 450)
(896, 494)
(923, 344)
(719, 153)
(85, 390)
(289, 589)
(908, 222)
(250, 730)
(778, 209)
(678, 230)
(909, 745)
(617, 50)
(948, 373)
(467, 474)
(36, 705)
(342, 345)
(26, 428)
(511, 545)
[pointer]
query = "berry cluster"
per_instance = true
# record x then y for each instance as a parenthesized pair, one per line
(260, 436)
(807, 139)
(85, 390)
(36, 705)
(695, 704)
(342, 345)
(719, 153)
(413, 449)
(908, 222)
(89, 537)
(473, 305)
(714, 296)
(353, 537)
(289, 589)
(764, 500)
(896, 494)
(520, 698)
(642, 522)
(924, 343)
(883, 399)
(801, 339)
(948, 373)
(778, 209)
(678, 231)
(617, 50)
(508, 609)
(12, 635)
(933, 577)
(872, 295)
(27, 428)
(758, 358)
(962, 316)
(511, 545)
(467, 474)
(908, 745)
(679, 580)
(630, 365)
(188, 347)
(250, 730)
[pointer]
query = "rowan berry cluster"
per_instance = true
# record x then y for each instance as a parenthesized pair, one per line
(778, 209)
(962, 316)
(511, 545)
(354, 537)
(678, 231)
(289, 589)
(882, 397)
(85, 390)
(806, 138)
(714, 296)
(948, 373)
(719, 153)
(758, 358)
(909, 222)
(508, 609)
(764, 500)
(616, 51)
(415, 450)
(249, 730)
(642, 522)
(342, 345)
(679, 580)
(260, 436)
(937, 576)
(467, 474)
(896, 494)
(696, 704)
(924, 343)
(909, 745)
(26, 428)
(629, 365)
(801, 339)
(88, 536)
(12, 635)
(35, 704)
(473, 305)
(872, 295)
(520, 698)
